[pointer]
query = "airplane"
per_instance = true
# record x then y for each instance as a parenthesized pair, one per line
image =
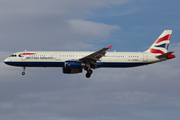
(73, 62)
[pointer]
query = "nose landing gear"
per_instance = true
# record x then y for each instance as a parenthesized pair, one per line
(24, 68)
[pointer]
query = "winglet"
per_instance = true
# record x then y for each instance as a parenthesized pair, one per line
(110, 47)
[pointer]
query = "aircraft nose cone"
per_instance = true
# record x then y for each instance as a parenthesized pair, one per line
(6, 60)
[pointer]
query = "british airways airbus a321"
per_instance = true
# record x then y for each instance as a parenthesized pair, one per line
(75, 62)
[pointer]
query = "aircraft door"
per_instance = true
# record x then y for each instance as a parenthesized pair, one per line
(145, 57)
(57, 56)
(23, 56)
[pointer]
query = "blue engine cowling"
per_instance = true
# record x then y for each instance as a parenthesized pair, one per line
(73, 64)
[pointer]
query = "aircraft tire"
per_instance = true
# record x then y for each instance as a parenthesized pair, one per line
(88, 75)
(23, 73)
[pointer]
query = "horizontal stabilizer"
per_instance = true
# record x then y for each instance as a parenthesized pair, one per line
(164, 55)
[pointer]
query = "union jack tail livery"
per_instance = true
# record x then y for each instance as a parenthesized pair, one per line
(160, 46)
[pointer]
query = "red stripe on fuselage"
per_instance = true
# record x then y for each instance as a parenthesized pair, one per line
(165, 38)
(27, 54)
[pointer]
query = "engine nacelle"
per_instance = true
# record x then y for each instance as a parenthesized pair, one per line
(73, 64)
(72, 70)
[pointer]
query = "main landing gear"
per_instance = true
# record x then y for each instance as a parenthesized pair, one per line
(89, 72)
(24, 68)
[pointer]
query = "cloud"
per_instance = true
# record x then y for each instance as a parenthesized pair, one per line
(63, 7)
(53, 25)
(80, 34)
(91, 29)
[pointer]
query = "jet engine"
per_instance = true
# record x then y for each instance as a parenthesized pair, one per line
(72, 67)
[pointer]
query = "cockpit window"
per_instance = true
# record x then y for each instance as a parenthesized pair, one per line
(12, 55)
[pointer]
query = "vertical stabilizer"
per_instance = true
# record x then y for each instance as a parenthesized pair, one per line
(160, 46)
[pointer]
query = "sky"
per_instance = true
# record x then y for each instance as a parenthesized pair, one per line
(149, 92)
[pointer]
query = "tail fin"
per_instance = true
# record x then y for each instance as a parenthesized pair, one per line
(160, 46)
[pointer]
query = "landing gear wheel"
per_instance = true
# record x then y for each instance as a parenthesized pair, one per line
(88, 75)
(23, 73)
(24, 68)
(90, 71)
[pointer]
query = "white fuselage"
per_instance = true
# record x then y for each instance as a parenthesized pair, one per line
(57, 58)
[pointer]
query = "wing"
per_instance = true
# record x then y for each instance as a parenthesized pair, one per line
(92, 58)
